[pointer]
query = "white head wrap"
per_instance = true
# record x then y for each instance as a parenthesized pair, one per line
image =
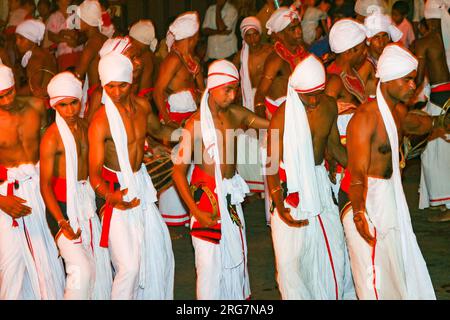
(298, 154)
(378, 22)
(119, 45)
(62, 86)
(346, 34)
(144, 32)
(438, 9)
(6, 77)
(280, 19)
(185, 26)
(246, 84)
(367, 7)
(90, 12)
(33, 30)
(220, 73)
(115, 67)
(395, 62)
(66, 85)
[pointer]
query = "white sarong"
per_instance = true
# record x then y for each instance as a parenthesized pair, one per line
(182, 102)
(217, 277)
(29, 263)
(301, 252)
(435, 173)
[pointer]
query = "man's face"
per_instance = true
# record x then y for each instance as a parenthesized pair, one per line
(69, 109)
(118, 91)
(292, 35)
(193, 41)
(252, 38)
(397, 16)
(358, 54)
(23, 44)
(403, 89)
(133, 52)
(378, 42)
(311, 99)
(7, 97)
(223, 96)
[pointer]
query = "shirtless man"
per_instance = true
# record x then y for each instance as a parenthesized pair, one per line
(217, 223)
(142, 35)
(133, 228)
(385, 257)
(285, 26)
(306, 231)
(180, 75)
(68, 196)
(29, 264)
(431, 53)
(39, 64)
(89, 20)
(345, 85)
(380, 32)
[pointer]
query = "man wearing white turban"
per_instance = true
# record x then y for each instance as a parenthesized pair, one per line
(217, 223)
(306, 232)
(38, 63)
(29, 264)
(347, 40)
(433, 53)
(380, 31)
(284, 26)
(88, 19)
(142, 35)
(177, 90)
(132, 227)
(385, 257)
(251, 60)
(68, 196)
(363, 8)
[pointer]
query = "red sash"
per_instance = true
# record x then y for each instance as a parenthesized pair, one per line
(144, 92)
(59, 188)
(10, 188)
(293, 199)
(441, 88)
(112, 179)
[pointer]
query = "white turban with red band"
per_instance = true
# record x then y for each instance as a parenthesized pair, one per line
(119, 45)
(395, 62)
(220, 73)
(298, 154)
(62, 86)
(6, 78)
(280, 19)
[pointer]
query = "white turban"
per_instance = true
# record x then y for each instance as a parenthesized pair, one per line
(366, 7)
(220, 73)
(62, 86)
(250, 23)
(115, 67)
(395, 62)
(185, 26)
(33, 30)
(119, 45)
(309, 75)
(6, 77)
(280, 19)
(144, 31)
(90, 12)
(346, 34)
(378, 22)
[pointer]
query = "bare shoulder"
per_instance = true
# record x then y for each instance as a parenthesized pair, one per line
(142, 103)
(366, 115)
(330, 103)
(51, 138)
(277, 121)
(274, 60)
(99, 117)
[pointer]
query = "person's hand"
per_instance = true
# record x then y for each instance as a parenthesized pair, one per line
(285, 215)
(68, 231)
(362, 226)
(14, 206)
(115, 199)
(206, 219)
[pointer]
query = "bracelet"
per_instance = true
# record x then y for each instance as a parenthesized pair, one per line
(250, 123)
(276, 189)
(356, 183)
(60, 222)
(359, 211)
(260, 104)
(97, 186)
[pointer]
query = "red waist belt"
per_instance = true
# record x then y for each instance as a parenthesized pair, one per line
(145, 91)
(293, 199)
(345, 183)
(112, 179)
(270, 107)
(59, 188)
(178, 117)
(10, 188)
(441, 88)
(201, 180)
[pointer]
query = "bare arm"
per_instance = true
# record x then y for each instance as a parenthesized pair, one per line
(335, 148)
(86, 58)
(254, 121)
(271, 68)
(333, 87)
(169, 68)
(420, 52)
(147, 73)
